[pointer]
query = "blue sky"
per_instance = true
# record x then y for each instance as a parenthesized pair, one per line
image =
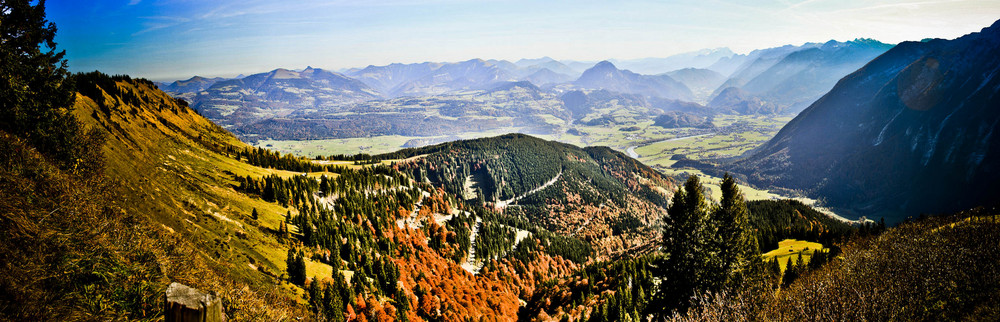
(175, 39)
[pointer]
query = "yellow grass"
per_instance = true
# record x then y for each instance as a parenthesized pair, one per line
(791, 248)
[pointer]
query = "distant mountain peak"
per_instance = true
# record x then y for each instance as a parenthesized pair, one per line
(604, 64)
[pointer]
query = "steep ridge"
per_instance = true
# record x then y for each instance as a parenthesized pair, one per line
(801, 77)
(911, 132)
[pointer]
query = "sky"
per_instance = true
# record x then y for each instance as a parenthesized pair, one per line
(176, 39)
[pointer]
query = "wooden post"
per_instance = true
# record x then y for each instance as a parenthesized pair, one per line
(186, 304)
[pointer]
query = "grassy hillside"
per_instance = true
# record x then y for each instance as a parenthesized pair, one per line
(164, 158)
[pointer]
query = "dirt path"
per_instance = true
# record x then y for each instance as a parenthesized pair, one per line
(504, 203)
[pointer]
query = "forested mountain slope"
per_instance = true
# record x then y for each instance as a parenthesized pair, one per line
(594, 193)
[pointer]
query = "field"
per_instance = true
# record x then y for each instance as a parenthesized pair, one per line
(655, 145)
(791, 248)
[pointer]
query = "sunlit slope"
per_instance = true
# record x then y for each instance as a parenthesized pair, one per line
(165, 157)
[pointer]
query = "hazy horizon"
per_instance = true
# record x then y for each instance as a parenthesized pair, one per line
(178, 39)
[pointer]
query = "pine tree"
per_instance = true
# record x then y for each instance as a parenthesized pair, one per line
(315, 297)
(333, 304)
(296, 267)
(775, 272)
(738, 247)
(402, 305)
(689, 237)
(290, 264)
(300, 266)
(36, 97)
(791, 273)
(254, 214)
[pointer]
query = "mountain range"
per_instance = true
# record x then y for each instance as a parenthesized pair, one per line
(791, 78)
(910, 132)
(282, 102)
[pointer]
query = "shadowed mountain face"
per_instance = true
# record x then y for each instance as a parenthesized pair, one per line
(803, 76)
(911, 132)
(792, 77)
(605, 75)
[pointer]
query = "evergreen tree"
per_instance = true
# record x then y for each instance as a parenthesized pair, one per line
(791, 273)
(402, 305)
(775, 272)
(315, 297)
(818, 259)
(290, 265)
(36, 97)
(300, 266)
(254, 214)
(689, 237)
(738, 247)
(296, 267)
(333, 304)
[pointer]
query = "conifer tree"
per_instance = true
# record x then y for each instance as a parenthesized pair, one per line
(690, 240)
(254, 214)
(333, 304)
(790, 273)
(300, 266)
(774, 272)
(738, 249)
(315, 297)
(290, 264)
(36, 97)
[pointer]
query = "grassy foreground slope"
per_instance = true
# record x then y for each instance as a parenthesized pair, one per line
(162, 155)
